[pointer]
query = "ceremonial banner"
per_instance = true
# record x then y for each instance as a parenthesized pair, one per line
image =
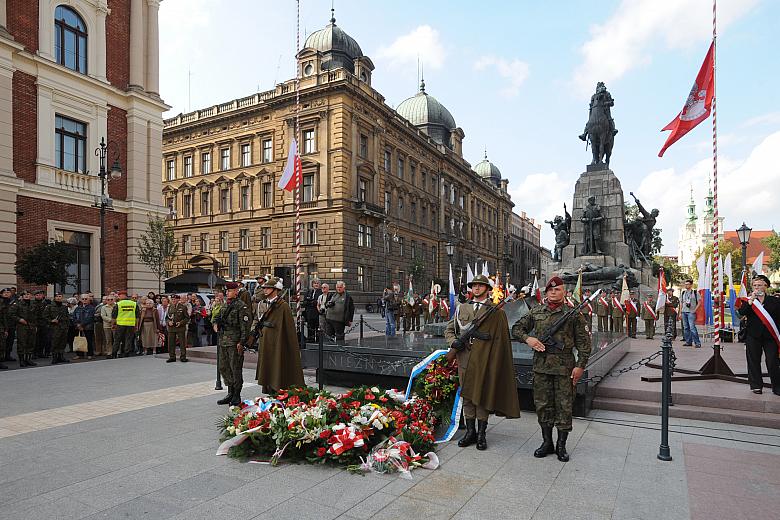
(291, 175)
(661, 301)
(758, 263)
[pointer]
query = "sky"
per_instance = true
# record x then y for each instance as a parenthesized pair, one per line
(517, 77)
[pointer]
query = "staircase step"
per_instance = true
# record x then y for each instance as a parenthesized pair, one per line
(701, 413)
(749, 403)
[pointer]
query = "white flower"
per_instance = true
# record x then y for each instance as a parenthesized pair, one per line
(375, 389)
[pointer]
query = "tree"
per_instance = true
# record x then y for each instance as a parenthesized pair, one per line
(157, 247)
(632, 213)
(417, 271)
(772, 242)
(672, 271)
(724, 248)
(46, 264)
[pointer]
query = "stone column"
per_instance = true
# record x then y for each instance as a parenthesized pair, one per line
(100, 49)
(153, 48)
(137, 46)
(9, 184)
(3, 15)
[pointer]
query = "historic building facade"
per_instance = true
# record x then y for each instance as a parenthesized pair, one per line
(697, 233)
(384, 191)
(74, 72)
(526, 249)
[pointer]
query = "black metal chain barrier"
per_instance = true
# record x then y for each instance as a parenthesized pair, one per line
(633, 366)
(371, 328)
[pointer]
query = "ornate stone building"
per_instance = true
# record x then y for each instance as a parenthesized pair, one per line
(383, 190)
(696, 233)
(526, 249)
(74, 72)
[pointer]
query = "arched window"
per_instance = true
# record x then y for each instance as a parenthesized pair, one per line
(70, 39)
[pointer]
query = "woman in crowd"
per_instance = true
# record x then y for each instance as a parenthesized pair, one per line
(162, 312)
(73, 304)
(84, 319)
(106, 311)
(149, 326)
(215, 307)
(100, 342)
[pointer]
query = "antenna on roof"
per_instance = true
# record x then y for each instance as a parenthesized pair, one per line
(332, 12)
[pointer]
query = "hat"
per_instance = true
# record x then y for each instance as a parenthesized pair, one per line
(762, 277)
(231, 285)
(555, 281)
(481, 278)
(274, 283)
(40, 291)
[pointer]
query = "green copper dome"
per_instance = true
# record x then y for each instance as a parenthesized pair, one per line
(425, 111)
(339, 48)
(488, 171)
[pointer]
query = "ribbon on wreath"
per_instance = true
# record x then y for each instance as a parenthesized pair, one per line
(344, 438)
(418, 369)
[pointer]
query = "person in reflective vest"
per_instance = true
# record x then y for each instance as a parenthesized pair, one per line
(125, 316)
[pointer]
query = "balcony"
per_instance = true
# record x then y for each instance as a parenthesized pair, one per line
(370, 210)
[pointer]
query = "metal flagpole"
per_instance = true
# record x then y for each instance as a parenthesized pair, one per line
(717, 315)
(297, 169)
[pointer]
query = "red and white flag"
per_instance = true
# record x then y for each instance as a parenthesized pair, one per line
(661, 301)
(291, 177)
(537, 292)
(768, 322)
(697, 106)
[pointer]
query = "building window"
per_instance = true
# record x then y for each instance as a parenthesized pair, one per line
(462, 201)
(309, 146)
(401, 246)
(423, 179)
(308, 188)
(435, 184)
(311, 233)
(434, 221)
(413, 210)
(205, 163)
(224, 200)
(361, 235)
(360, 278)
(186, 209)
(369, 237)
(363, 146)
(205, 202)
(400, 168)
(186, 244)
(70, 144)
(244, 237)
(188, 166)
(70, 39)
(268, 197)
(171, 204)
(79, 271)
(388, 201)
(267, 151)
(223, 241)
(244, 198)
(362, 189)
(388, 158)
(224, 158)
(424, 216)
(170, 168)
(246, 154)
(400, 206)
(413, 251)
(265, 238)
(204, 242)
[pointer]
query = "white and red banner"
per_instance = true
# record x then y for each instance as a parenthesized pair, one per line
(661, 301)
(651, 310)
(291, 176)
(537, 292)
(697, 106)
(768, 322)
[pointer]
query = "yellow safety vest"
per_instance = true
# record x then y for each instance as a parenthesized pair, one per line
(125, 313)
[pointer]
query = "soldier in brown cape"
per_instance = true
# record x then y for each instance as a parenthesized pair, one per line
(485, 368)
(279, 361)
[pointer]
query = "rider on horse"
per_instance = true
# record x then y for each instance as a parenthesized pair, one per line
(604, 98)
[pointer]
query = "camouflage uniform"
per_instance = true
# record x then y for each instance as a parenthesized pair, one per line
(408, 313)
(25, 334)
(234, 324)
(59, 330)
(552, 386)
(5, 323)
(649, 319)
(416, 312)
(42, 342)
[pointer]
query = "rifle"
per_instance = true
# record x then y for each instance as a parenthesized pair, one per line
(552, 345)
(256, 332)
(470, 331)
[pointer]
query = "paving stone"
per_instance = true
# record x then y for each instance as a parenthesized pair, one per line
(369, 506)
(300, 509)
(446, 488)
(411, 508)
(344, 490)
(139, 508)
(197, 489)
(487, 506)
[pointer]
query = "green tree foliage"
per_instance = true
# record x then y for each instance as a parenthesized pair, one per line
(46, 264)
(772, 242)
(417, 272)
(724, 248)
(157, 247)
(672, 271)
(632, 213)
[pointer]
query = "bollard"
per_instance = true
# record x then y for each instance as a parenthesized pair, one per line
(361, 331)
(218, 386)
(666, 390)
(320, 375)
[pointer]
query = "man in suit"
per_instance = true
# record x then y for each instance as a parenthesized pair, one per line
(760, 337)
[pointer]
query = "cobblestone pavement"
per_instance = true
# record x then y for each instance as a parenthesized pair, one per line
(136, 437)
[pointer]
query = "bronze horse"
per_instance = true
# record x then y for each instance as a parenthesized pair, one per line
(600, 134)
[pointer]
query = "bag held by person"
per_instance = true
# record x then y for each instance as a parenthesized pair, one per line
(80, 343)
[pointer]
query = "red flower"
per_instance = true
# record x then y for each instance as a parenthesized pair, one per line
(282, 395)
(346, 394)
(369, 396)
(321, 452)
(324, 434)
(293, 401)
(383, 399)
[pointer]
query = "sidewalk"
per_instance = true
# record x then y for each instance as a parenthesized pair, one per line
(141, 437)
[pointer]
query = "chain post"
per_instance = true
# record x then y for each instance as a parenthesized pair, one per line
(666, 389)
(361, 331)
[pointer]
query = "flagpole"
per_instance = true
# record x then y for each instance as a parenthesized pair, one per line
(717, 315)
(297, 171)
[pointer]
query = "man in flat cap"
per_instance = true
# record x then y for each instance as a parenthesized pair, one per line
(279, 354)
(233, 325)
(485, 369)
(556, 373)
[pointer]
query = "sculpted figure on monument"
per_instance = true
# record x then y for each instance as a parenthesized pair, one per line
(600, 129)
(639, 233)
(591, 220)
(562, 227)
(613, 274)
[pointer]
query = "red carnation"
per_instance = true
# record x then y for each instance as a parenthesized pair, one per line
(324, 434)
(321, 452)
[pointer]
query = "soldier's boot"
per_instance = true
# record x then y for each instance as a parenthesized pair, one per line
(235, 398)
(22, 361)
(560, 446)
(481, 441)
(547, 447)
(63, 359)
(30, 362)
(227, 398)
(470, 437)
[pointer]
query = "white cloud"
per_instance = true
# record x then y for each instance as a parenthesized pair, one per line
(424, 42)
(747, 191)
(637, 27)
(771, 118)
(515, 72)
(541, 196)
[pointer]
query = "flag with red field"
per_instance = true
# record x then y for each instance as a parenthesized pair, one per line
(291, 177)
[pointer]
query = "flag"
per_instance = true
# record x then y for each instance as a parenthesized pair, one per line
(291, 175)
(719, 282)
(485, 270)
(758, 263)
(452, 294)
(767, 320)
(697, 106)
(469, 274)
(708, 315)
(577, 292)
(701, 267)
(742, 294)
(432, 302)
(537, 292)
(625, 294)
(661, 301)
(410, 292)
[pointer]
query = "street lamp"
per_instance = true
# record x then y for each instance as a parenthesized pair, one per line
(105, 202)
(744, 237)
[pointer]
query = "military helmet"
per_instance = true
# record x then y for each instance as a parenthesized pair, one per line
(481, 278)
(273, 283)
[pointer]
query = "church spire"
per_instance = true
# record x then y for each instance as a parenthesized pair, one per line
(691, 209)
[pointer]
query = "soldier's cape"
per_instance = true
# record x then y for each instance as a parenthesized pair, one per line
(489, 381)
(279, 360)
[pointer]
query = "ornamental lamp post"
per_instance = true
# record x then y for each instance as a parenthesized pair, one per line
(450, 248)
(105, 202)
(744, 237)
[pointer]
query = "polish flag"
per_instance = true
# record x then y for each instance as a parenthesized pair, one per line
(661, 301)
(697, 106)
(291, 177)
(537, 292)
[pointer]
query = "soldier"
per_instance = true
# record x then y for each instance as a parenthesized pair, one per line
(57, 318)
(670, 311)
(279, 355)
(407, 308)
(177, 318)
(555, 374)
(617, 314)
(647, 313)
(233, 324)
(602, 311)
(5, 307)
(244, 295)
(631, 309)
(485, 368)
(23, 313)
(7, 299)
(125, 316)
(587, 310)
(416, 312)
(42, 342)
